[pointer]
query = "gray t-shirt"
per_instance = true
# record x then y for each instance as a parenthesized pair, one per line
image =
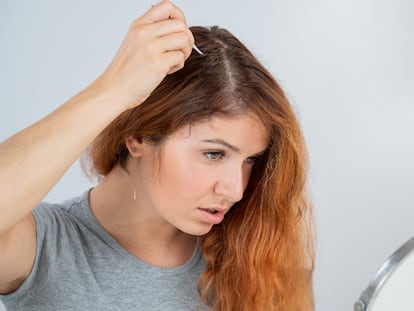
(79, 266)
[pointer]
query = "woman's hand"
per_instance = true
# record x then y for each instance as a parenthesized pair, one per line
(157, 44)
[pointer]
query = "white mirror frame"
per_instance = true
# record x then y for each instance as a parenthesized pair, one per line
(370, 294)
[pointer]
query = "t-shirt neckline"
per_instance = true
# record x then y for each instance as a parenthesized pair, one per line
(109, 240)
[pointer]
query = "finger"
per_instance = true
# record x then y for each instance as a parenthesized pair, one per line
(161, 11)
(189, 48)
(175, 42)
(176, 13)
(174, 60)
(168, 26)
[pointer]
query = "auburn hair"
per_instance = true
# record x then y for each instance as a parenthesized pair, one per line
(261, 256)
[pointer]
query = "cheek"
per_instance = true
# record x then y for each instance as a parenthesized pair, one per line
(182, 178)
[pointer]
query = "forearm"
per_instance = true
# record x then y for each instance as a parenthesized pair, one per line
(32, 161)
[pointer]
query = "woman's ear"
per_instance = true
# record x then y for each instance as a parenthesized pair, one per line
(135, 146)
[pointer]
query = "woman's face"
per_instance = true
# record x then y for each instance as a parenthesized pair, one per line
(200, 171)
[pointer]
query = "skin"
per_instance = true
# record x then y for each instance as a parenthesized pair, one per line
(33, 160)
(207, 165)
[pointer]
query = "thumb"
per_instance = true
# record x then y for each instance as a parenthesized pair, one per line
(162, 11)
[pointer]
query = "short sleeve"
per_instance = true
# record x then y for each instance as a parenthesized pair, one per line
(50, 222)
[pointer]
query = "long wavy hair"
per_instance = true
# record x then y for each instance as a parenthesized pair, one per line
(261, 256)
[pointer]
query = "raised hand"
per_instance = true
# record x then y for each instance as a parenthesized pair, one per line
(157, 44)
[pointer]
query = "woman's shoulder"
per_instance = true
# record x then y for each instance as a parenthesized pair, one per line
(69, 209)
(61, 221)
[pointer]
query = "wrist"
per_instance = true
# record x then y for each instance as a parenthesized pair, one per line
(112, 95)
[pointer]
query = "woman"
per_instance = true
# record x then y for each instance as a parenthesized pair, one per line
(201, 200)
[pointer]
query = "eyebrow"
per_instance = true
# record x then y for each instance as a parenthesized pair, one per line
(222, 142)
(230, 146)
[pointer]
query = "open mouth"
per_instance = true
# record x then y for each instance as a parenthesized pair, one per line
(212, 215)
(210, 210)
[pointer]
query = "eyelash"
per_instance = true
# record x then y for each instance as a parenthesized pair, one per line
(214, 155)
(218, 155)
(252, 160)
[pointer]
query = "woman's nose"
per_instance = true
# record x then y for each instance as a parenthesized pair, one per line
(231, 185)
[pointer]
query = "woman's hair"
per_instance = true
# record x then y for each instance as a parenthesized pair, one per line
(261, 256)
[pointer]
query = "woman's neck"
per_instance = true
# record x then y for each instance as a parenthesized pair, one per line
(140, 230)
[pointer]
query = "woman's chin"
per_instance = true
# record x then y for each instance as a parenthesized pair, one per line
(199, 230)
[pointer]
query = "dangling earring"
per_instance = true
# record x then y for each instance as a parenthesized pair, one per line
(135, 195)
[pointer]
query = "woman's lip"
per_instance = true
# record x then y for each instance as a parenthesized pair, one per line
(215, 218)
(216, 208)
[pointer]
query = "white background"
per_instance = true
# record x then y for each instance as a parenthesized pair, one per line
(347, 66)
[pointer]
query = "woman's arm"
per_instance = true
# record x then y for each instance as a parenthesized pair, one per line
(32, 161)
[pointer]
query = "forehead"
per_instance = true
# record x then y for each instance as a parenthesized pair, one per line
(245, 132)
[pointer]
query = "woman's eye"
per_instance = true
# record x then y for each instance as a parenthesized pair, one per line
(251, 160)
(214, 155)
